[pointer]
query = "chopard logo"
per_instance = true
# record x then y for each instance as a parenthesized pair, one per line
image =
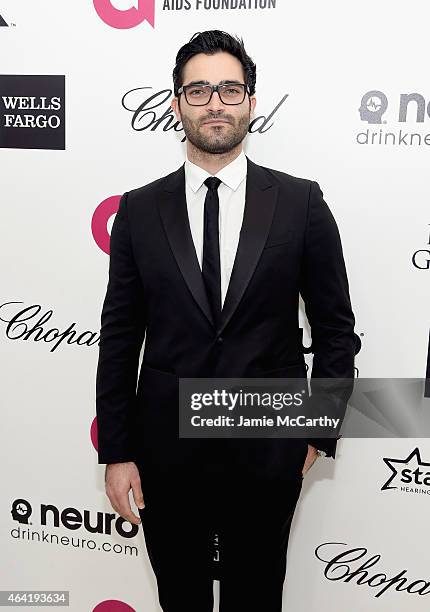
(26, 324)
(348, 566)
(147, 114)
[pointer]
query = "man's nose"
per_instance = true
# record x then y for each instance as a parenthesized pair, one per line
(216, 103)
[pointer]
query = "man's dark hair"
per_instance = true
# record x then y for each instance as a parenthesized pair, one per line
(210, 42)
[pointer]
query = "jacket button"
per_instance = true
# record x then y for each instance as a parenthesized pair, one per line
(220, 339)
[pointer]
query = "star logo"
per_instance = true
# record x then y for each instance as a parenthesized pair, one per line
(409, 471)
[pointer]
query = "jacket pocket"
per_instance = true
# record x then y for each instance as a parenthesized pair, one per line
(156, 371)
(277, 241)
(295, 366)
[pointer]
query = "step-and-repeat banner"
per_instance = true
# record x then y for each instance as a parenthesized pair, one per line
(343, 98)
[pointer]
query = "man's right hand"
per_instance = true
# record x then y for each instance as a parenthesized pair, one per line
(119, 479)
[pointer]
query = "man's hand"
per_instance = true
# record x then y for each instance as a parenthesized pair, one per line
(119, 479)
(310, 458)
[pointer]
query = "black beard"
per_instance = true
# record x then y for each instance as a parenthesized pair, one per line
(218, 143)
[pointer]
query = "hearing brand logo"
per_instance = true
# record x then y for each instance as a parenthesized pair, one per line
(124, 19)
(410, 475)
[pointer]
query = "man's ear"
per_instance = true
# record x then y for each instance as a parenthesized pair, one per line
(252, 104)
(175, 107)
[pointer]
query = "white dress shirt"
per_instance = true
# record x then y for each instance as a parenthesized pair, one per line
(231, 194)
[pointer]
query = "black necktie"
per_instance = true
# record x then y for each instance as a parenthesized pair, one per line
(211, 268)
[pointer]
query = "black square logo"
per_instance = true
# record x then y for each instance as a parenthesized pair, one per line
(32, 111)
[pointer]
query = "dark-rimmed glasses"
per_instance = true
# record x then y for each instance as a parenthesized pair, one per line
(200, 94)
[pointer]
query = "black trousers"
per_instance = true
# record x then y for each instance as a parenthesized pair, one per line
(250, 517)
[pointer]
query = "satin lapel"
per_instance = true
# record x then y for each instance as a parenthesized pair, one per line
(261, 196)
(174, 214)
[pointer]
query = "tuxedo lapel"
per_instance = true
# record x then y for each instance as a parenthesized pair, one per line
(174, 215)
(260, 202)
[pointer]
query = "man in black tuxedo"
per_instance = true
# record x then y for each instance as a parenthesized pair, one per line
(206, 265)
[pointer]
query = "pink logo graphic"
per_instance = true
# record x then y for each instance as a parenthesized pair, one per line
(94, 434)
(128, 18)
(99, 222)
(113, 605)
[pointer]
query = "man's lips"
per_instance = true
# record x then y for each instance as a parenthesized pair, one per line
(214, 121)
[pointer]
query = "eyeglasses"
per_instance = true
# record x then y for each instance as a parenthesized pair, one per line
(199, 94)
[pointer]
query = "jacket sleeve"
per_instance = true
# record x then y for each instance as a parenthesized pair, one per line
(121, 337)
(325, 292)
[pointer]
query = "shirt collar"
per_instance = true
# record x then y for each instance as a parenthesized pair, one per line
(232, 174)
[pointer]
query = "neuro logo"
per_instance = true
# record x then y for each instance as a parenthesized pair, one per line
(99, 223)
(21, 511)
(73, 519)
(407, 115)
(137, 13)
(373, 105)
(113, 605)
(2, 22)
(408, 473)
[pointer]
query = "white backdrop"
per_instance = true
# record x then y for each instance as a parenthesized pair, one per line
(320, 59)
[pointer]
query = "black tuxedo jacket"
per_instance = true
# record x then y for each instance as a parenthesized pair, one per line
(289, 245)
